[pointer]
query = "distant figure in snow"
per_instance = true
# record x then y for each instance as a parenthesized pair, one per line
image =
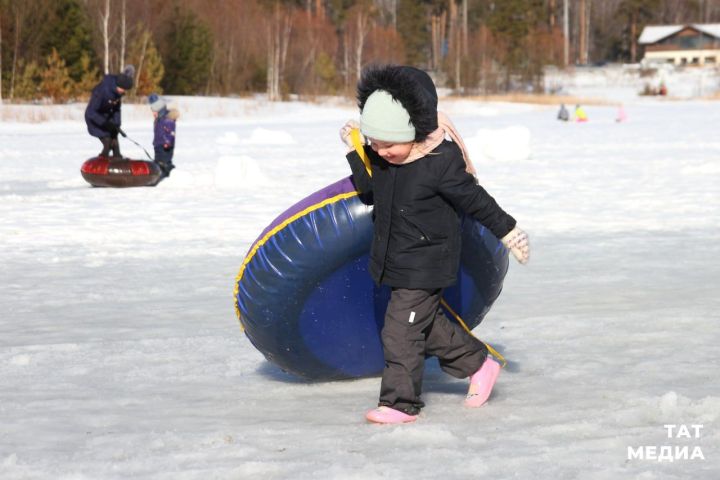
(164, 138)
(580, 115)
(563, 115)
(621, 115)
(102, 114)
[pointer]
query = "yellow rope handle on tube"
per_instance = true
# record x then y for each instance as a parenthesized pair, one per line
(492, 351)
(355, 137)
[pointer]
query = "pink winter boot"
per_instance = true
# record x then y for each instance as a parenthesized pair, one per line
(481, 383)
(389, 415)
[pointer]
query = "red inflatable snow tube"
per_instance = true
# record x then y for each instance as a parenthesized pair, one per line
(108, 172)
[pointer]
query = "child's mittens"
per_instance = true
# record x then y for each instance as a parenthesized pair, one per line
(518, 242)
(345, 134)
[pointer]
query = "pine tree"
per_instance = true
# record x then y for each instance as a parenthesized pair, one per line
(325, 71)
(56, 82)
(68, 32)
(26, 84)
(88, 80)
(188, 54)
(635, 14)
(148, 63)
(413, 28)
(511, 22)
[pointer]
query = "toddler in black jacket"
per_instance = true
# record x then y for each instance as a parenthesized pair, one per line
(419, 182)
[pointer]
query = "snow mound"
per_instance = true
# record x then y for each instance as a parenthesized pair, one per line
(228, 138)
(507, 144)
(671, 405)
(259, 136)
(264, 136)
(234, 171)
(181, 179)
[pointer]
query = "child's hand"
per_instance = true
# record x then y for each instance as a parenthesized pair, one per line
(518, 242)
(345, 134)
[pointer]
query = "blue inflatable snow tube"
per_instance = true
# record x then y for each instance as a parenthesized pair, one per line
(306, 301)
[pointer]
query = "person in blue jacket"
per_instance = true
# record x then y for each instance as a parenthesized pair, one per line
(102, 114)
(164, 132)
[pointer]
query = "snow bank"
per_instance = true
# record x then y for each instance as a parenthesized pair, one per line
(511, 144)
(239, 172)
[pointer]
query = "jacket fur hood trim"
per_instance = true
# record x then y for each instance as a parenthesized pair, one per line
(412, 87)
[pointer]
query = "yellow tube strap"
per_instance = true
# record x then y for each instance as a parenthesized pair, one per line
(492, 351)
(355, 137)
(272, 232)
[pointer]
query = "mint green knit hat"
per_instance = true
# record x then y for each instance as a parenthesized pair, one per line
(384, 118)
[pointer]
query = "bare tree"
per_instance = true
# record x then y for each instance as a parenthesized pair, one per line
(566, 33)
(584, 26)
(144, 39)
(122, 37)
(363, 21)
(278, 35)
(633, 36)
(1, 98)
(355, 35)
(387, 12)
(464, 27)
(454, 37)
(438, 27)
(16, 47)
(319, 9)
(704, 10)
(104, 20)
(588, 28)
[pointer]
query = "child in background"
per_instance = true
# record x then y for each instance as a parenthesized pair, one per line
(420, 183)
(621, 115)
(563, 114)
(580, 115)
(164, 138)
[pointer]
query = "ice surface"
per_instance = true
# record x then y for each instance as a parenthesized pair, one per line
(121, 357)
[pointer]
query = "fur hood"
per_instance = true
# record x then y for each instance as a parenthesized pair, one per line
(413, 88)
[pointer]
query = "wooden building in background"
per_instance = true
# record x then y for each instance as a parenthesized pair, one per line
(692, 44)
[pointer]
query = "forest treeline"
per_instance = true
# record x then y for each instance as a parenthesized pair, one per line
(56, 50)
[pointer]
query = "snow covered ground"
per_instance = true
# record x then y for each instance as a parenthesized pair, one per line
(121, 357)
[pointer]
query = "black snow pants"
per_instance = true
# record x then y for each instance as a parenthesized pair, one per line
(110, 143)
(416, 327)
